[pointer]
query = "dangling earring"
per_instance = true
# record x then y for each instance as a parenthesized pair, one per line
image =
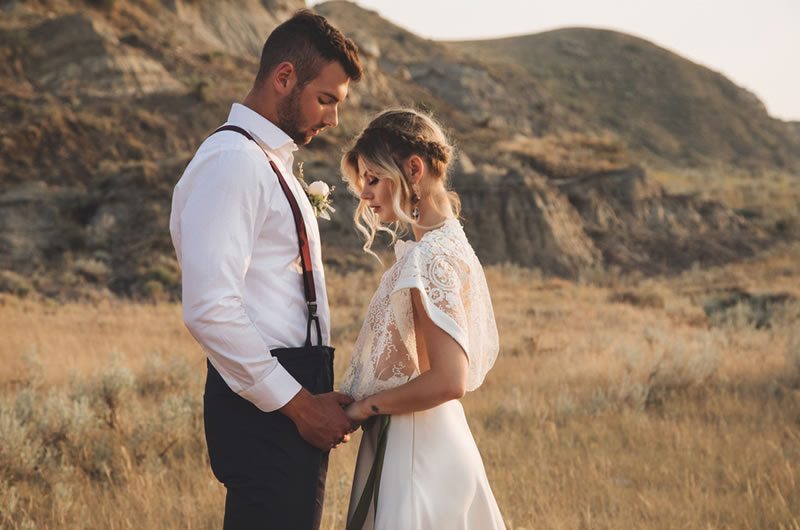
(415, 201)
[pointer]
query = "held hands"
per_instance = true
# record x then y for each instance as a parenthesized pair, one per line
(320, 419)
(359, 411)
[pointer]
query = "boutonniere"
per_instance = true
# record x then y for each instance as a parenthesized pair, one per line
(319, 195)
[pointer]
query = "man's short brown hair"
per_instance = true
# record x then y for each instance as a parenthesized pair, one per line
(308, 41)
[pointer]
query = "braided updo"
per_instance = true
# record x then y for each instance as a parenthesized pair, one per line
(389, 139)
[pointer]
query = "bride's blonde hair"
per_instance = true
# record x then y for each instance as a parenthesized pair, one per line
(389, 139)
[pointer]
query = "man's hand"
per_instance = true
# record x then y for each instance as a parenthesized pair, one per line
(320, 419)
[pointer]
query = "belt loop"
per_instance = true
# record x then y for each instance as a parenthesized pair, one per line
(312, 316)
(308, 330)
(319, 332)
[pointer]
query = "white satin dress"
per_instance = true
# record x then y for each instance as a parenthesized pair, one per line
(433, 476)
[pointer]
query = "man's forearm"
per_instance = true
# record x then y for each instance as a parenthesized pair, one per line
(297, 408)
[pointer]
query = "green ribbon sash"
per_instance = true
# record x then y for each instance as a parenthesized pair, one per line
(373, 484)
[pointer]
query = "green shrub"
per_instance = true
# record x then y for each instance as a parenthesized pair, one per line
(102, 4)
(742, 309)
(13, 283)
(638, 298)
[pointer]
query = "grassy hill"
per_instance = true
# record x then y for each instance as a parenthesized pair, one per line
(661, 103)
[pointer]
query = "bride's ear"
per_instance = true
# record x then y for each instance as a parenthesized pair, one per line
(414, 168)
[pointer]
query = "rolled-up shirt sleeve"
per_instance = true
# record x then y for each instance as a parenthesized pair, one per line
(216, 229)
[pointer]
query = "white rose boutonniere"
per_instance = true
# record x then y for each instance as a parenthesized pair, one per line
(319, 194)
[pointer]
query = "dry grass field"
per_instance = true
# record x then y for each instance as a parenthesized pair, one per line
(617, 403)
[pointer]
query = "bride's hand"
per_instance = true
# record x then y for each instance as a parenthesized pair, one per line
(358, 411)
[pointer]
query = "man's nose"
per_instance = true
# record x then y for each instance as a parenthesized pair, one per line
(331, 118)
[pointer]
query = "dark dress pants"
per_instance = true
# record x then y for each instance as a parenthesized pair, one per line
(274, 478)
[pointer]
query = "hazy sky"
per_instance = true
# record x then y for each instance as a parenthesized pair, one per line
(755, 43)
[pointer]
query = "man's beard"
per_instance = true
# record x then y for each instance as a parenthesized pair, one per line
(290, 116)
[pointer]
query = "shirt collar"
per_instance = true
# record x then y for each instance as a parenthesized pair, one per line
(264, 130)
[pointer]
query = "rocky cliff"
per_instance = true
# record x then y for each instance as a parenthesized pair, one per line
(104, 102)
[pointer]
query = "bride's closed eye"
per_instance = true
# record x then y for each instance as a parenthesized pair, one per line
(369, 180)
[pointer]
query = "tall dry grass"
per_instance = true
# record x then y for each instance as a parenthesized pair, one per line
(614, 404)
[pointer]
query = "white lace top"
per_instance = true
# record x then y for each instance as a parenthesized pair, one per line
(443, 267)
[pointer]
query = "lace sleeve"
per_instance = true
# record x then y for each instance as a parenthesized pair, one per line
(442, 283)
(452, 287)
(455, 295)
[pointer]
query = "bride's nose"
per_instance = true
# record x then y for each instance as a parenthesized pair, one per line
(366, 194)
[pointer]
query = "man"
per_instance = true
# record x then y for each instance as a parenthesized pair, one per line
(235, 235)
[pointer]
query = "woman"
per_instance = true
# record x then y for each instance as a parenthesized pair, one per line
(429, 336)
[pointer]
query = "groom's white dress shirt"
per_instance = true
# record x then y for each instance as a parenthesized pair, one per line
(235, 238)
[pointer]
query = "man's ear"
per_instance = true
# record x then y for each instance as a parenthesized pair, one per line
(284, 78)
(415, 168)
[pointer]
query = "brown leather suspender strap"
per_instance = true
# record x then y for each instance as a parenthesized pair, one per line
(302, 237)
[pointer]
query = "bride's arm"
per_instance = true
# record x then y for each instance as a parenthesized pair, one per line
(446, 379)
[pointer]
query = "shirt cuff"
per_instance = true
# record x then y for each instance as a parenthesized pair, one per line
(274, 391)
